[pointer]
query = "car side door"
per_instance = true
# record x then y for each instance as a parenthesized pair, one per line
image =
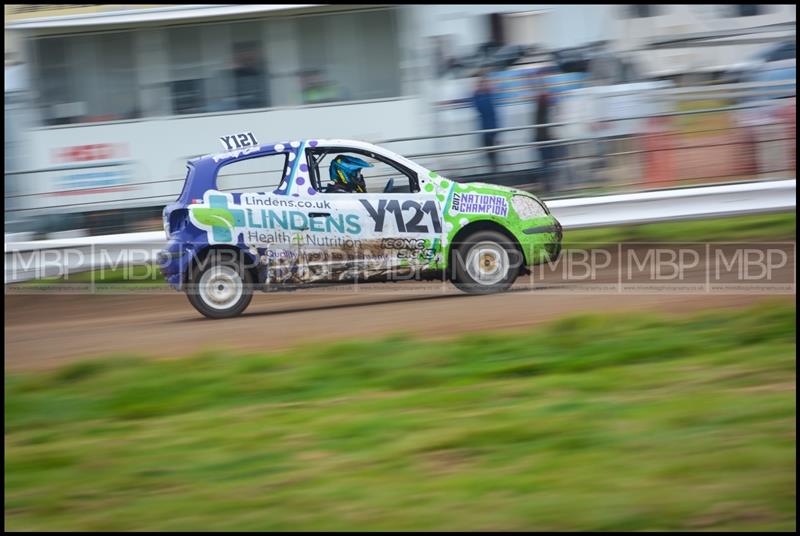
(399, 232)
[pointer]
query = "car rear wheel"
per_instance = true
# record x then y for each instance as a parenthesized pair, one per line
(485, 263)
(221, 288)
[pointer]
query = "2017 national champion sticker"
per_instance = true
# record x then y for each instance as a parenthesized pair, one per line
(472, 203)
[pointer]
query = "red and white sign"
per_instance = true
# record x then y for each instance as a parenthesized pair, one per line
(88, 153)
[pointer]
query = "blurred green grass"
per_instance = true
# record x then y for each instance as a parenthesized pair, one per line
(595, 422)
(778, 227)
(140, 275)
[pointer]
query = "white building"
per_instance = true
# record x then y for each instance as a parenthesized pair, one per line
(636, 25)
(136, 90)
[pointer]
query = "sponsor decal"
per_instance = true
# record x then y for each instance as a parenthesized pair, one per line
(224, 224)
(410, 248)
(235, 154)
(402, 243)
(409, 217)
(238, 141)
(272, 201)
(308, 239)
(472, 203)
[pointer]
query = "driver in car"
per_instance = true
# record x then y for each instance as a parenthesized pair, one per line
(345, 173)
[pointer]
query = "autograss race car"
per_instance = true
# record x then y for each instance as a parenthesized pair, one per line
(322, 226)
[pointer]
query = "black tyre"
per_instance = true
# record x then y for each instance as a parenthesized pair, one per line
(485, 262)
(220, 286)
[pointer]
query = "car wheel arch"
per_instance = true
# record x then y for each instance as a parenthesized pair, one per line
(250, 260)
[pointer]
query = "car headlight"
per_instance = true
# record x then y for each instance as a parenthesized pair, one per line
(528, 207)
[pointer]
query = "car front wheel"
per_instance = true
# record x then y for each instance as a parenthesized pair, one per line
(485, 263)
(221, 288)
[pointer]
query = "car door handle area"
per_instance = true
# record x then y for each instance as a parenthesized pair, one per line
(318, 214)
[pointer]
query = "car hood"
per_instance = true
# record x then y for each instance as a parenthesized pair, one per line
(501, 190)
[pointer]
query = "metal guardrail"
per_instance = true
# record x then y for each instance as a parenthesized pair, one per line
(734, 90)
(469, 150)
(550, 143)
(576, 213)
(676, 204)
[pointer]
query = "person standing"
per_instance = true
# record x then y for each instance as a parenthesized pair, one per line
(249, 78)
(549, 153)
(485, 102)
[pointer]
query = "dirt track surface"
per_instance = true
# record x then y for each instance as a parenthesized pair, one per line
(46, 330)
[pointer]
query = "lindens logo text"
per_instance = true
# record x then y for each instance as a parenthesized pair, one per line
(224, 224)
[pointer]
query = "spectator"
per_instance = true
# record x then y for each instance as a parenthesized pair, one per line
(484, 101)
(249, 77)
(549, 154)
(318, 89)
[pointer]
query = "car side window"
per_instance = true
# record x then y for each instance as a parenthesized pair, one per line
(262, 173)
(341, 170)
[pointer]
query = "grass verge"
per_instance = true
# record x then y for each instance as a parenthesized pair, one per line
(624, 422)
(777, 227)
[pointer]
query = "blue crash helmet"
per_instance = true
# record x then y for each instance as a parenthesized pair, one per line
(346, 173)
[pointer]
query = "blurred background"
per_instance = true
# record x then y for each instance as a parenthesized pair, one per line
(105, 103)
(575, 401)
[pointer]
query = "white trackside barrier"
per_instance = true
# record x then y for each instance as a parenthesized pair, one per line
(83, 253)
(677, 204)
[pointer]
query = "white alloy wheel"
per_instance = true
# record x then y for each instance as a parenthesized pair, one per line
(220, 287)
(487, 263)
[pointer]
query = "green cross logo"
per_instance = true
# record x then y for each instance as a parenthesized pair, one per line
(221, 220)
